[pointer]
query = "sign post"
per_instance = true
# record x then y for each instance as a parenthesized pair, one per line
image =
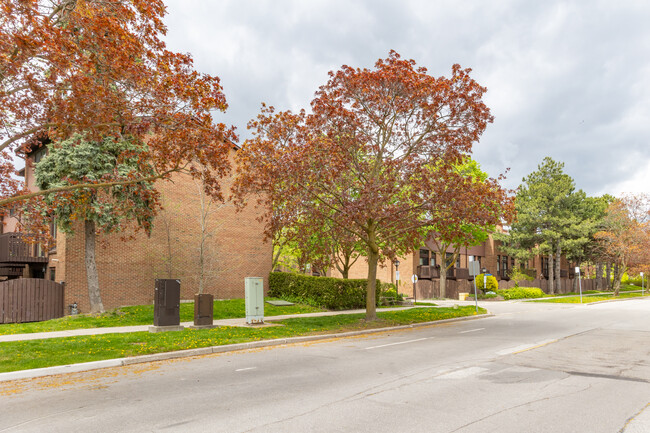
(642, 291)
(474, 270)
(579, 282)
(414, 279)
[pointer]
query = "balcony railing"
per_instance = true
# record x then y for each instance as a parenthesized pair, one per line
(13, 249)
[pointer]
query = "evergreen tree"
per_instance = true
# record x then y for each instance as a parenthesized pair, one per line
(546, 203)
(108, 209)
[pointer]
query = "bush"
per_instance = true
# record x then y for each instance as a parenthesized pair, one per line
(330, 293)
(390, 295)
(521, 293)
(518, 275)
(634, 280)
(492, 284)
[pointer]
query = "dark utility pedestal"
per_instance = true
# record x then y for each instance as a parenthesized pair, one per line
(166, 306)
(203, 311)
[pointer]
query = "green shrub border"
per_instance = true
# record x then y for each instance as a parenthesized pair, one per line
(521, 293)
(326, 292)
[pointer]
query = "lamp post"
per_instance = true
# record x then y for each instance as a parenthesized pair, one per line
(396, 279)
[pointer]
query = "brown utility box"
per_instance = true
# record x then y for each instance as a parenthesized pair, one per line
(203, 309)
(167, 303)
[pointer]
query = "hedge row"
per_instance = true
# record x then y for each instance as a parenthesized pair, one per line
(521, 293)
(330, 293)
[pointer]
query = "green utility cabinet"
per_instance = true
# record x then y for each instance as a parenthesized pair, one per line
(254, 300)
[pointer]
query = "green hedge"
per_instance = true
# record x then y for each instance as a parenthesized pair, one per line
(521, 293)
(330, 293)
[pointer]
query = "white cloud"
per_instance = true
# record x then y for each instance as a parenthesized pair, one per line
(567, 79)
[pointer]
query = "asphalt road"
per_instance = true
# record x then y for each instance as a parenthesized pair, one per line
(532, 368)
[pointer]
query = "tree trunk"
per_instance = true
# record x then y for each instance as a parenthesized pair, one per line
(92, 277)
(371, 301)
(373, 259)
(618, 275)
(558, 267)
(599, 276)
(551, 274)
(609, 276)
(443, 282)
(345, 272)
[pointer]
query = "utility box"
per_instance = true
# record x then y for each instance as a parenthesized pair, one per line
(167, 303)
(254, 300)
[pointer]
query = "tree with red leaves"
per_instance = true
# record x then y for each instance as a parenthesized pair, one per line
(625, 237)
(101, 69)
(373, 157)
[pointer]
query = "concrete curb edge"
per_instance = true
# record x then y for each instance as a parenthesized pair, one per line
(119, 362)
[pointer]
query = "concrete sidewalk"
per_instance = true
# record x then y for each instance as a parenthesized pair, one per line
(141, 328)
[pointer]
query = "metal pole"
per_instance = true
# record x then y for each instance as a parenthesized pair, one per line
(580, 284)
(415, 295)
(476, 295)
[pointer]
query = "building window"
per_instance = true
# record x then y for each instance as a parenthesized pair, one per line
(505, 263)
(458, 261)
(498, 264)
(424, 257)
(475, 259)
(52, 274)
(448, 259)
(432, 260)
(39, 154)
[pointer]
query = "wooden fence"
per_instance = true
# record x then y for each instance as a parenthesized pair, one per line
(30, 300)
(429, 289)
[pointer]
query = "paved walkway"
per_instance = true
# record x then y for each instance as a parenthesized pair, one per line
(141, 328)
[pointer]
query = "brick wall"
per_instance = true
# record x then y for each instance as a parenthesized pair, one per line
(127, 269)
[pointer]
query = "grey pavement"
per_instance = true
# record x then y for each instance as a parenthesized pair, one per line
(533, 367)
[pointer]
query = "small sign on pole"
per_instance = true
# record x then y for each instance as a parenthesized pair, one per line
(414, 279)
(642, 291)
(579, 282)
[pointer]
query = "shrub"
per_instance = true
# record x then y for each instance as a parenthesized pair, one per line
(634, 280)
(492, 284)
(518, 275)
(521, 293)
(330, 293)
(390, 295)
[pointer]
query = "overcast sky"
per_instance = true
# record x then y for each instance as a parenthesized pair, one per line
(566, 79)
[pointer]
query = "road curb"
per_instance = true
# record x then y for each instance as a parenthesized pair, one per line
(119, 362)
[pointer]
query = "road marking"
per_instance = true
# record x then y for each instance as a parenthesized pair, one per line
(393, 344)
(244, 369)
(463, 373)
(471, 330)
(524, 347)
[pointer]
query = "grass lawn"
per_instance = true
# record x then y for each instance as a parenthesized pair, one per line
(143, 315)
(24, 355)
(588, 299)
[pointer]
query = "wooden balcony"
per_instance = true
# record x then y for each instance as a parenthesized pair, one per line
(11, 271)
(428, 272)
(14, 250)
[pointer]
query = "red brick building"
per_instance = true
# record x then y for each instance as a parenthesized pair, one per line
(127, 269)
(488, 254)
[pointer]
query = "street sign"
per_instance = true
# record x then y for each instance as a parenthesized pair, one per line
(474, 268)
(414, 278)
